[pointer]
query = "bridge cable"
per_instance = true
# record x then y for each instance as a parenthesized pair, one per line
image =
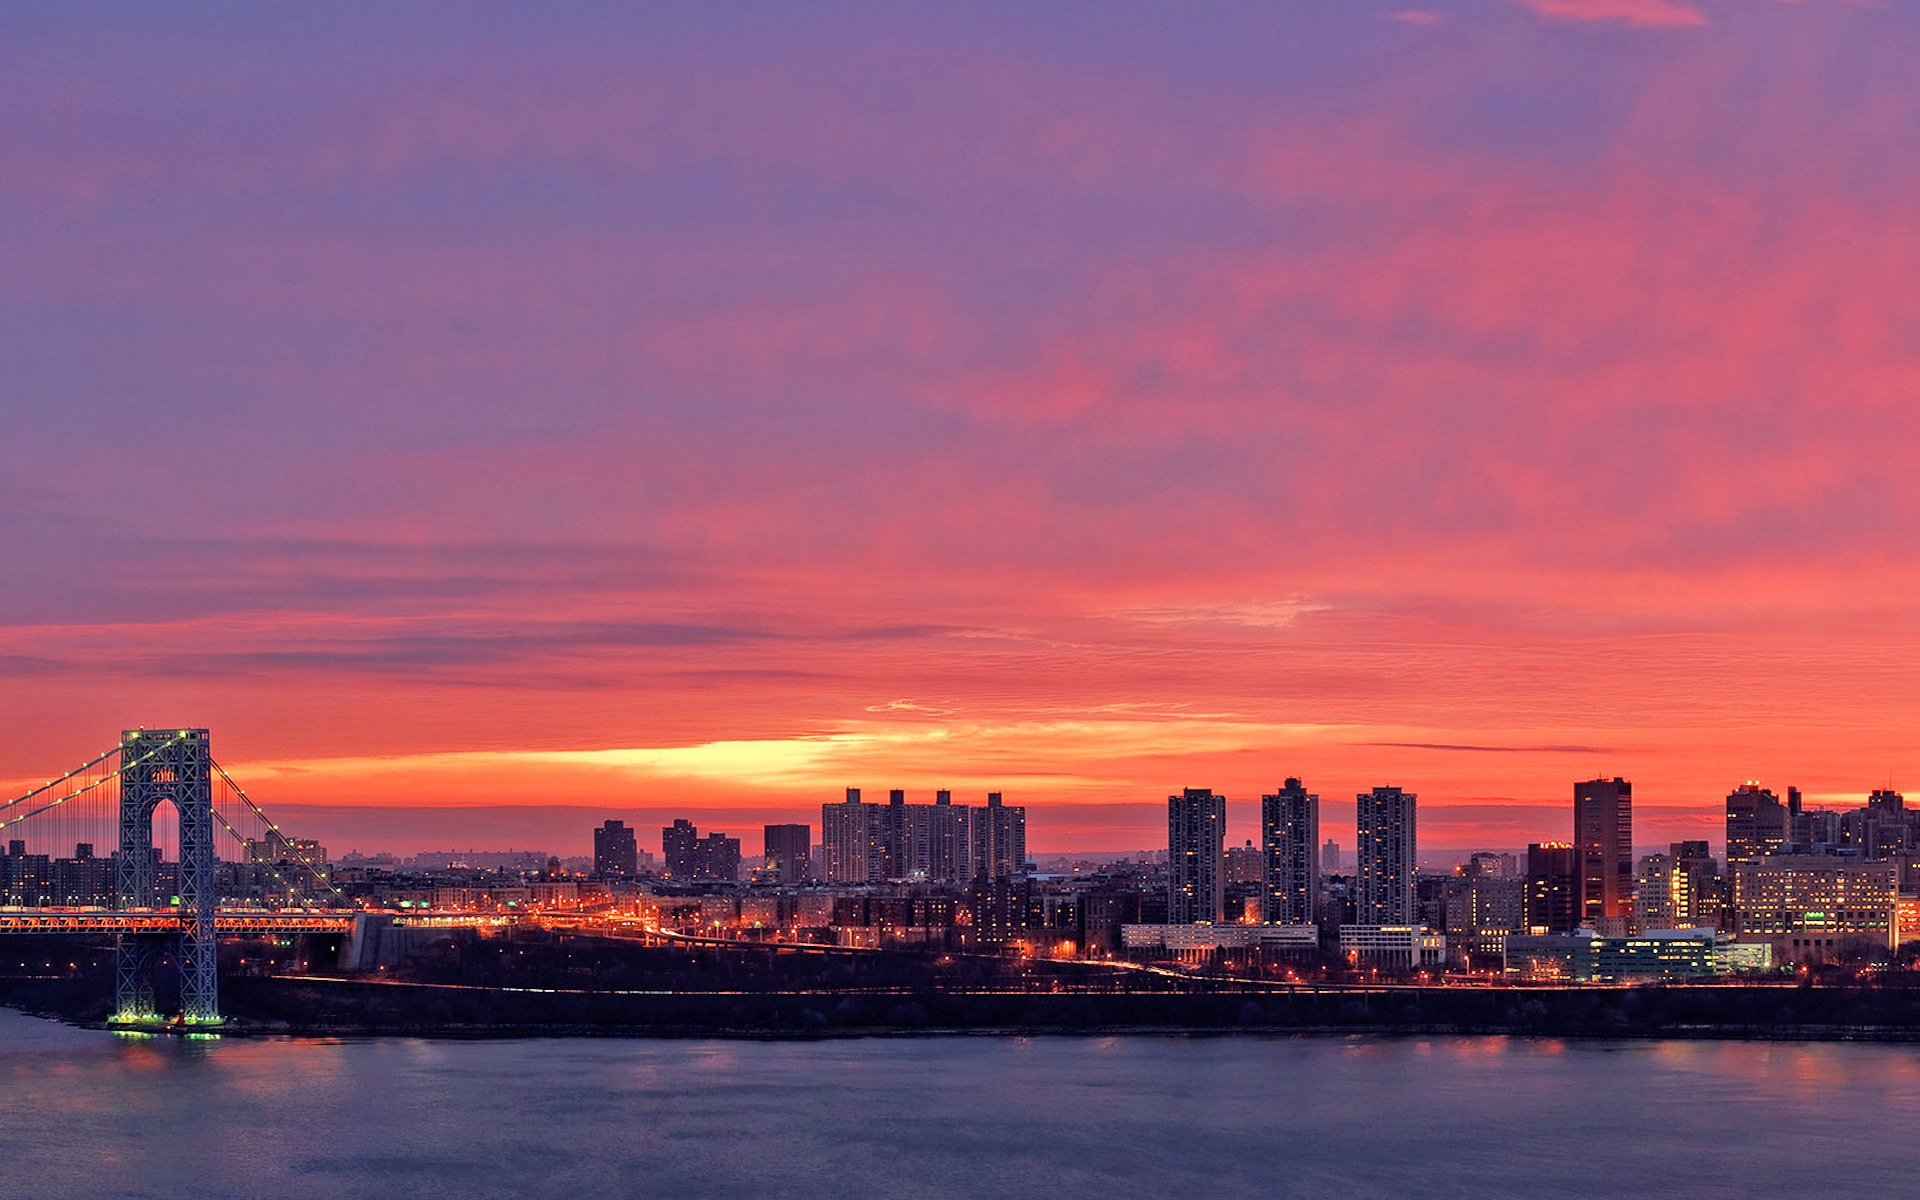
(53, 804)
(273, 868)
(262, 814)
(69, 775)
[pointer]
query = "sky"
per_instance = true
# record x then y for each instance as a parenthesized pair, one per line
(486, 418)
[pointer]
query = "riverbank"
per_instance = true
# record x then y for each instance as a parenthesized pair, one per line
(310, 1006)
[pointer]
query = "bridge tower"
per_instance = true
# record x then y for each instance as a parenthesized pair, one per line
(174, 765)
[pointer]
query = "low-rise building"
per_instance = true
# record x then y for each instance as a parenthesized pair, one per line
(1404, 947)
(1816, 907)
(1588, 957)
(1176, 939)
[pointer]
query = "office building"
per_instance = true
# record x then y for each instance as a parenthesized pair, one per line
(1290, 940)
(1665, 954)
(1681, 889)
(1816, 908)
(1757, 823)
(1393, 947)
(1657, 892)
(1388, 857)
(1483, 905)
(1330, 860)
(786, 853)
(1815, 831)
(1882, 829)
(1603, 838)
(1196, 841)
(1553, 880)
(1290, 855)
(616, 851)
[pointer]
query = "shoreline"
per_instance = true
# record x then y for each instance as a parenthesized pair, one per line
(333, 1008)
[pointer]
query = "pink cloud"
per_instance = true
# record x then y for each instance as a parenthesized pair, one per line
(1645, 14)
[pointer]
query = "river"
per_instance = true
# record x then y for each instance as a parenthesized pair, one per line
(92, 1114)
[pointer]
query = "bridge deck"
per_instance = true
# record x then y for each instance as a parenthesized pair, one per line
(232, 921)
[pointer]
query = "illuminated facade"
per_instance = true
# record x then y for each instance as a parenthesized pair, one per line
(1816, 907)
(1680, 889)
(1179, 938)
(1482, 909)
(1666, 954)
(1389, 855)
(1404, 947)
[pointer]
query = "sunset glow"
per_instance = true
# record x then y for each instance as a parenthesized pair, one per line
(613, 413)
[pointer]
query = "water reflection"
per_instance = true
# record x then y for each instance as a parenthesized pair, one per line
(93, 1114)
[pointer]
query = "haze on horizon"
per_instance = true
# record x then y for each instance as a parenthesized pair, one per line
(677, 409)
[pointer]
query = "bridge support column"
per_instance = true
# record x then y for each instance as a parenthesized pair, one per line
(176, 766)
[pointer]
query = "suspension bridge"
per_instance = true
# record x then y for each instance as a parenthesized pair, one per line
(233, 871)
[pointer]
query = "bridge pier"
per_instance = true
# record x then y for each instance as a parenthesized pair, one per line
(133, 967)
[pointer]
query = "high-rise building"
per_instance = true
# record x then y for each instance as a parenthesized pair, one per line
(1702, 900)
(616, 852)
(1757, 823)
(940, 839)
(1553, 878)
(679, 848)
(786, 852)
(843, 840)
(1815, 831)
(1885, 828)
(1000, 838)
(1245, 864)
(1290, 853)
(691, 857)
(1484, 904)
(720, 857)
(871, 843)
(1196, 840)
(1388, 857)
(1603, 836)
(1330, 856)
(1659, 893)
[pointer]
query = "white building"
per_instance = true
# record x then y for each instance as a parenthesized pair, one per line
(1407, 947)
(1178, 938)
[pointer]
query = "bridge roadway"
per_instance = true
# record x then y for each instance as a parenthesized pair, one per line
(227, 921)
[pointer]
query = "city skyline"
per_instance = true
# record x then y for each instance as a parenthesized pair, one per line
(1039, 599)
(1316, 390)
